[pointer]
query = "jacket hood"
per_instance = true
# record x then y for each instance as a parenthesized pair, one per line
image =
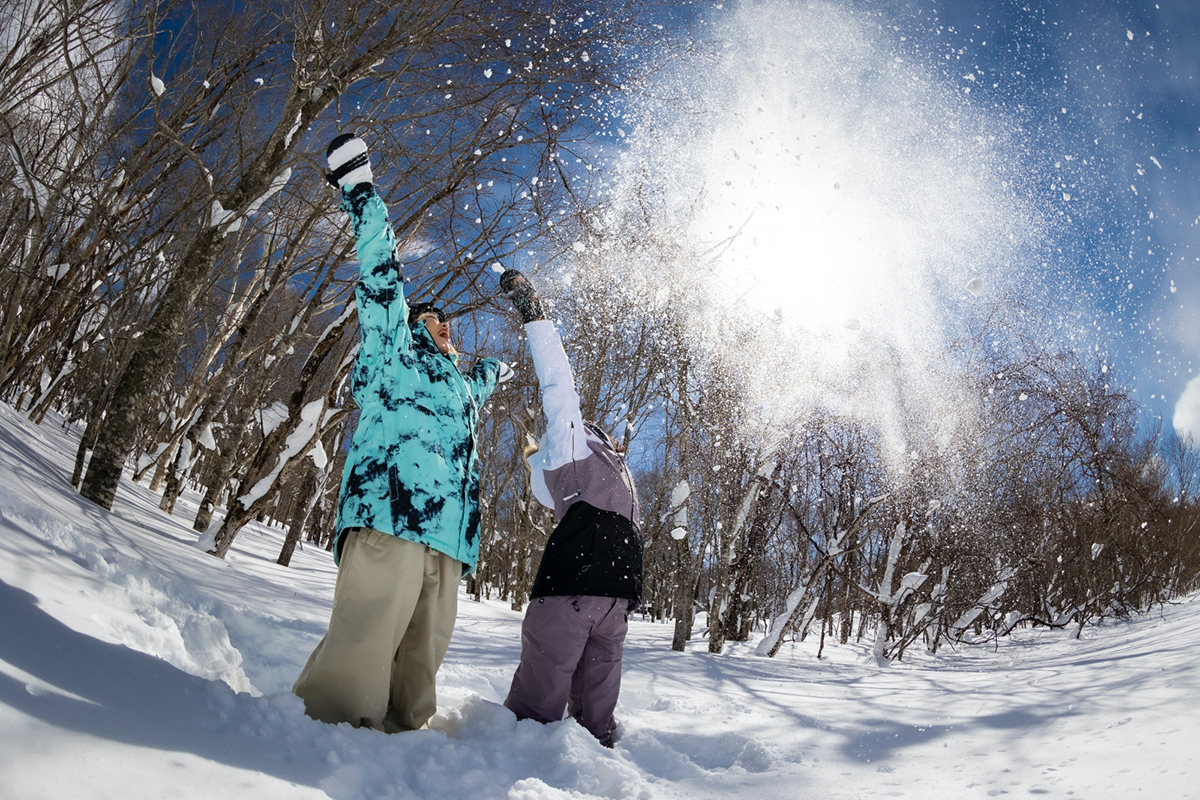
(423, 341)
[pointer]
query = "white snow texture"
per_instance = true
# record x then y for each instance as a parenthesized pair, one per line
(125, 651)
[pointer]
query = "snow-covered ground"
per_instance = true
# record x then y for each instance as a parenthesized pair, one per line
(132, 665)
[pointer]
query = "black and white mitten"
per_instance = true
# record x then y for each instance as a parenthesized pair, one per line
(348, 162)
(506, 373)
(524, 298)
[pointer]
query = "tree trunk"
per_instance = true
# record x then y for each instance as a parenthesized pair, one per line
(888, 597)
(135, 385)
(261, 467)
(223, 470)
(303, 105)
(299, 517)
(162, 465)
(848, 568)
(86, 442)
(720, 592)
(684, 575)
(684, 588)
(185, 457)
(717, 620)
(736, 623)
(95, 419)
(827, 622)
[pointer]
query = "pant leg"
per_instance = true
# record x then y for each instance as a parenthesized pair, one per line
(552, 640)
(597, 679)
(347, 676)
(423, 645)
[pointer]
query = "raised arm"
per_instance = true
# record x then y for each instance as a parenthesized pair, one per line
(382, 308)
(566, 438)
(485, 376)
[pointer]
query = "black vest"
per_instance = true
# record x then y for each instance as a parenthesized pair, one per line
(592, 552)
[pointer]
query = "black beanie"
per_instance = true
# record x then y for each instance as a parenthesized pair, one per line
(417, 309)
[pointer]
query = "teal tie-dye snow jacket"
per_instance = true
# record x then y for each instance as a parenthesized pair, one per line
(412, 470)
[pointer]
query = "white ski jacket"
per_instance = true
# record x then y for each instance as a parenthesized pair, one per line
(596, 547)
(573, 463)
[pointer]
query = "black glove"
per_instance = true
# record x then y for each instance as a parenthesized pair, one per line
(516, 287)
(348, 162)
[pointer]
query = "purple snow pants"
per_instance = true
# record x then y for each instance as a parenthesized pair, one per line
(571, 658)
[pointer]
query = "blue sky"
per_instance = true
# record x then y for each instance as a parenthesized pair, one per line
(1098, 102)
(1098, 106)
(1116, 87)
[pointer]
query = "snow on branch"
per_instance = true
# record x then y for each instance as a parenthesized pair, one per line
(679, 498)
(350, 310)
(299, 439)
(786, 621)
(231, 221)
(272, 416)
(985, 601)
(31, 187)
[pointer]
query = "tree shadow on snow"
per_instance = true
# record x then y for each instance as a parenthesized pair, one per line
(875, 731)
(126, 696)
(876, 740)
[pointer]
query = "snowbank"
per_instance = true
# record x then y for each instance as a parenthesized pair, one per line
(133, 665)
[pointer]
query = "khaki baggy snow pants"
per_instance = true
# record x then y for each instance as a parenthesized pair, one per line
(394, 607)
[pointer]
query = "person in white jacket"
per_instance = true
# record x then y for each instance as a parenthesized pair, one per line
(590, 576)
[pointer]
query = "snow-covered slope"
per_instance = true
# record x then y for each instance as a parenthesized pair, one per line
(132, 665)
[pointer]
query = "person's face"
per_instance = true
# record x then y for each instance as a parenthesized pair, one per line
(440, 331)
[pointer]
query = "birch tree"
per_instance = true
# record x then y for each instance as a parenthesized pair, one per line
(517, 81)
(322, 70)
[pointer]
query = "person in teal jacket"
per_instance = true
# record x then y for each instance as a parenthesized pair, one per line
(408, 510)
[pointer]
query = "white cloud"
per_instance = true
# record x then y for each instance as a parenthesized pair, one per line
(1187, 410)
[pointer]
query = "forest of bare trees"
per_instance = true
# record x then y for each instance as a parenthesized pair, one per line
(176, 281)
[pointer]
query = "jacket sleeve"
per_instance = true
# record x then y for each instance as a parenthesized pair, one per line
(565, 438)
(483, 379)
(382, 307)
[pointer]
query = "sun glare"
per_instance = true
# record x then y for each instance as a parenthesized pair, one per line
(847, 197)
